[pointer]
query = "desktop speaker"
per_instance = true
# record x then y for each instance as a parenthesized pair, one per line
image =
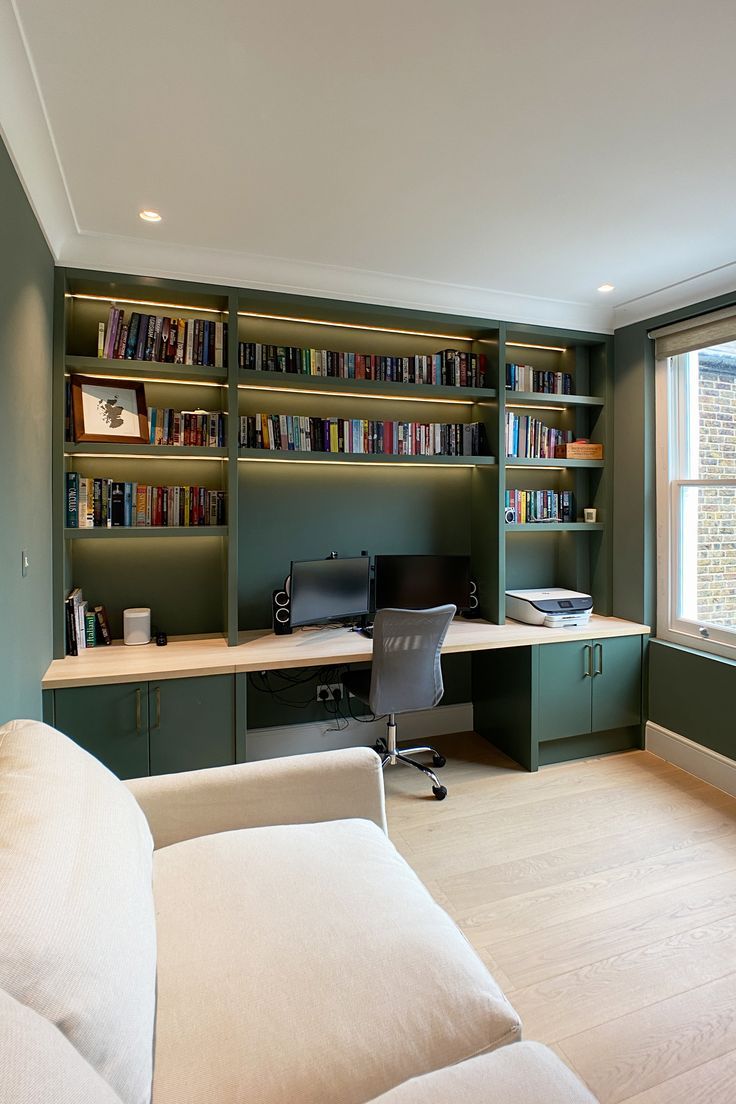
(473, 609)
(281, 612)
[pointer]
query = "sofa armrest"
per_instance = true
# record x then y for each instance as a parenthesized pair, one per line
(299, 789)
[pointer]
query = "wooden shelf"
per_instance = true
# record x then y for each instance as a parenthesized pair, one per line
(293, 456)
(157, 452)
(146, 369)
(555, 527)
(532, 462)
(137, 531)
(370, 389)
(537, 398)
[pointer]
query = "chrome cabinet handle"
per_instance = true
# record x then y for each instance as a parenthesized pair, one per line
(587, 661)
(599, 666)
(157, 722)
(138, 711)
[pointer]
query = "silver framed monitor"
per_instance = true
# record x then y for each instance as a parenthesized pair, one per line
(328, 590)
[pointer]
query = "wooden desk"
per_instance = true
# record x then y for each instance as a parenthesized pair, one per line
(260, 650)
(537, 693)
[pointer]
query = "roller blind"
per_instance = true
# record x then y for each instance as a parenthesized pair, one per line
(695, 333)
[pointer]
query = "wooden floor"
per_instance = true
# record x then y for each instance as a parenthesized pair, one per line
(602, 896)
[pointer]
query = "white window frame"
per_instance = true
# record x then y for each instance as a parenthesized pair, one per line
(676, 425)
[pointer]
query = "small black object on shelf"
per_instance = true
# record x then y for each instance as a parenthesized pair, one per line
(161, 639)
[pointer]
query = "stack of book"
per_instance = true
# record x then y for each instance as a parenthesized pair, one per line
(284, 432)
(452, 367)
(522, 377)
(174, 427)
(165, 340)
(523, 507)
(529, 438)
(107, 503)
(85, 627)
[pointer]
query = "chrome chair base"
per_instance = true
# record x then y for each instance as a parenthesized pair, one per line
(392, 755)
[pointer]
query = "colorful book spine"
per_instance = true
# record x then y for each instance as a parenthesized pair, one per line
(451, 367)
(281, 432)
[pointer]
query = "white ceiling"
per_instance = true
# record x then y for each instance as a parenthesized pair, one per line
(474, 156)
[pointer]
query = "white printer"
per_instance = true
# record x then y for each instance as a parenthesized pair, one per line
(556, 608)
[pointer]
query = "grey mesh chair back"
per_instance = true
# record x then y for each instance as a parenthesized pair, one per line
(406, 672)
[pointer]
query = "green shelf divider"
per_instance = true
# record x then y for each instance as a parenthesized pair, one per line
(534, 462)
(375, 389)
(178, 452)
(294, 456)
(556, 527)
(538, 398)
(149, 369)
(129, 532)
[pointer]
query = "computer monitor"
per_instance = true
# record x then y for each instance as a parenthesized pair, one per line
(329, 590)
(419, 582)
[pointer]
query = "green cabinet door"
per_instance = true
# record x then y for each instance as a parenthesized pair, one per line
(111, 722)
(616, 682)
(192, 723)
(563, 704)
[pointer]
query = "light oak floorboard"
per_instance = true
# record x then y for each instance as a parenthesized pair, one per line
(602, 896)
(713, 1081)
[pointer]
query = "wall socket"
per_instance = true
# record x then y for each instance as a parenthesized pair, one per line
(335, 686)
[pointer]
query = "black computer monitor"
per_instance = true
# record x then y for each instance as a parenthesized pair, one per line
(329, 590)
(419, 582)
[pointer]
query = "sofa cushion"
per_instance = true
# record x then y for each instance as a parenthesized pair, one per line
(526, 1073)
(40, 1066)
(77, 931)
(308, 963)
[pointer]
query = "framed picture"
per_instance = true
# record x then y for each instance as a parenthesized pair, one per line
(109, 410)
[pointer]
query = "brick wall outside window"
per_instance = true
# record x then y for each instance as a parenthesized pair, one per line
(717, 513)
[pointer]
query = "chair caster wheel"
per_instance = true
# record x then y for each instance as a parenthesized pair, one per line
(440, 792)
(438, 760)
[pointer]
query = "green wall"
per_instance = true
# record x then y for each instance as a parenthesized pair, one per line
(692, 693)
(303, 512)
(689, 692)
(26, 303)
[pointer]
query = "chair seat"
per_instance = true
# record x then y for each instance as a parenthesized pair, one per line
(285, 957)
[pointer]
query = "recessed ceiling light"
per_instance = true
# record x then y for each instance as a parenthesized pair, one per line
(603, 287)
(150, 216)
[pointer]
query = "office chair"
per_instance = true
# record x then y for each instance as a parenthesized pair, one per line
(406, 675)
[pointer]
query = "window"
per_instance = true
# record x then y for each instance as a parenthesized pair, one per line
(696, 484)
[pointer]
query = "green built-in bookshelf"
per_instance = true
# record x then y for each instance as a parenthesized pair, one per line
(284, 505)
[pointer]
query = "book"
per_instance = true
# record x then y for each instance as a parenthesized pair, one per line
(124, 504)
(281, 432)
(103, 625)
(451, 367)
(72, 500)
(117, 505)
(162, 339)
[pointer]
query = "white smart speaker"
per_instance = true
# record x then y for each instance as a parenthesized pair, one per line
(137, 625)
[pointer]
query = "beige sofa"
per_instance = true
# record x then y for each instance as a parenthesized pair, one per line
(246, 935)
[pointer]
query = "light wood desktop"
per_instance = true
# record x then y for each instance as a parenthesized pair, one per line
(261, 650)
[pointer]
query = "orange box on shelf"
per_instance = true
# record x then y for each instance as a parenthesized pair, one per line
(580, 450)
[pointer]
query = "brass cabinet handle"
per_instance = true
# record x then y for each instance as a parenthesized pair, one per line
(587, 661)
(138, 711)
(599, 667)
(157, 722)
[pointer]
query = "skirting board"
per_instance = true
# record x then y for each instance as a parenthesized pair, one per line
(426, 724)
(709, 766)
